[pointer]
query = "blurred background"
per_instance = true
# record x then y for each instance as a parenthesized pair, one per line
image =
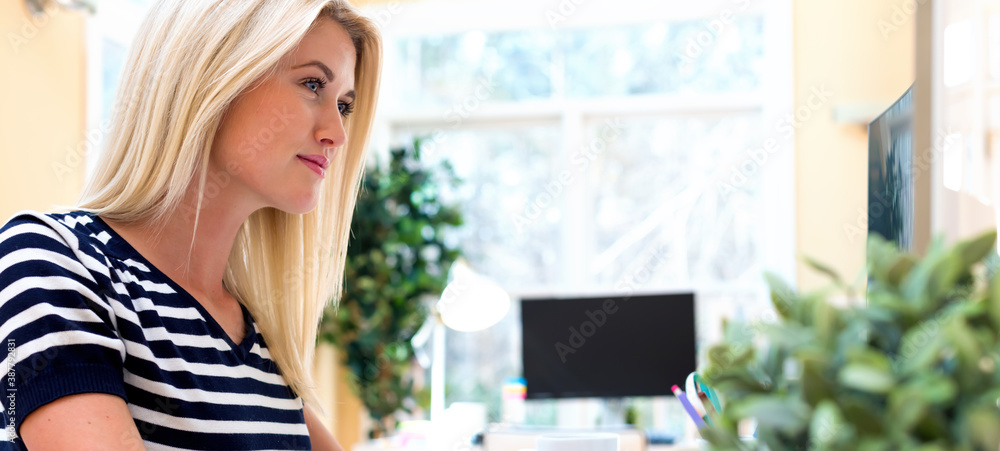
(602, 145)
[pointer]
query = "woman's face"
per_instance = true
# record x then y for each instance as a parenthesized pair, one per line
(277, 139)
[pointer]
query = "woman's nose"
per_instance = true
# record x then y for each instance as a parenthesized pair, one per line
(331, 131)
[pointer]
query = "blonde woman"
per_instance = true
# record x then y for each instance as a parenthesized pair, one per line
(177, 306)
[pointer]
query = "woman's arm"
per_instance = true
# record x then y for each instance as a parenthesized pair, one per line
(82, 422)
(321, 438)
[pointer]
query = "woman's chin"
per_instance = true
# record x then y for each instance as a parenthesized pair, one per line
(301, 210)
(300, 206)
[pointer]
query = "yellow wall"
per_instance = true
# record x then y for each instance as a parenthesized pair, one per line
(344, 412)
(849, 47)
(42, 93)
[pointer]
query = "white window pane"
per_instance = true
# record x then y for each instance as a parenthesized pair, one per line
(442, 70)
(705, 56)
(664, 205)
(664, 58)
(113, 59)
(502, 170)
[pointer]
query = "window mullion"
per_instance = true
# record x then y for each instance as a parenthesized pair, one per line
(577, 246)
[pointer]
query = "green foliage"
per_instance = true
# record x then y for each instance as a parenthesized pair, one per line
(917, 368)
(396, 257)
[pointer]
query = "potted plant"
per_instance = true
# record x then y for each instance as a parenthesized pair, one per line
(918, 367)
(397, 257)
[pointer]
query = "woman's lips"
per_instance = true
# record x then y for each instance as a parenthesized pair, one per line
(317, 163)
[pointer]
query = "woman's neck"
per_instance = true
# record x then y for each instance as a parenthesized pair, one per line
(193, 258)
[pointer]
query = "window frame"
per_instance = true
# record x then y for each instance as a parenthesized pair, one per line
(773, 101)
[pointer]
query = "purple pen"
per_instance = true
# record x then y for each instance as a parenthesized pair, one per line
(687, 406)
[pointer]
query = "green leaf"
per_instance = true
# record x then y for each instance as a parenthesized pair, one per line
(866, 378)
(827, 429)
(881, 257)
(720, 439)
(786, 415)
(944, 275)
(906, 410)
(974, 250)
(875, 444)
(920, 348)
(899, 269)
(816, 386)
(992, 301)
(725, 356)
(866, 417)
(824, 269)
(782, 296)
(932, 388)
(869, 357)
(982, 428)
(826, 321)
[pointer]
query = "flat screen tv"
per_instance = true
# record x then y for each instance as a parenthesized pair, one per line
(890, 173)
(607, 347)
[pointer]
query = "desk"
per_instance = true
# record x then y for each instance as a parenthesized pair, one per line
(385, 445)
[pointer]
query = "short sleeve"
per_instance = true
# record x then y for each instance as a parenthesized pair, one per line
(56, 321)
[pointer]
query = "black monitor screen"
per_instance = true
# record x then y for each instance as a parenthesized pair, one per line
(890, 173)
(607, 346)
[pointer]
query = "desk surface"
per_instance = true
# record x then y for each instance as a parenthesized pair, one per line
(386, 446)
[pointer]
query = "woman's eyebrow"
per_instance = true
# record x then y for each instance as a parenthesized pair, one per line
(321, 66)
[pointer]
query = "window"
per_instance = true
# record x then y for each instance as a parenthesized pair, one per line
(607, 146)
(109, 36)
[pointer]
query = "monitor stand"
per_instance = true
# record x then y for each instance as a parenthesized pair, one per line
(612, 412)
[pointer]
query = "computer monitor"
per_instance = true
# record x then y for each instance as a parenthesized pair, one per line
(891, 173)
(607, 346)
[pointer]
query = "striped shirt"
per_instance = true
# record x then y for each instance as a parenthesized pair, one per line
(82, 312)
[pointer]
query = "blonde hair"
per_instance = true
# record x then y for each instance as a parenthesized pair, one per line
(192, 59)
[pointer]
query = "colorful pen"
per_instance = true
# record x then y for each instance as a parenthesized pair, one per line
(709, 409)
(708, 392)
(687, 406)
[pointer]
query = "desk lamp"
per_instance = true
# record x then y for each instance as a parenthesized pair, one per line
(470, 303)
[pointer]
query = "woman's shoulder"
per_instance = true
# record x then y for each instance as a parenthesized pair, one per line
(72, 228)
(55, 238)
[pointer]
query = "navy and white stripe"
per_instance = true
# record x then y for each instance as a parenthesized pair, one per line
(87, 313)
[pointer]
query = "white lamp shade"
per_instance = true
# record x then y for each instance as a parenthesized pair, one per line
(471, 302)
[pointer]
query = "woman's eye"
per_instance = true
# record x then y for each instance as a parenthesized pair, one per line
(345, 108)
(314, 84)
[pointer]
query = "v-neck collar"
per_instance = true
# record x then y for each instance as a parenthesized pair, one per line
(123, 250)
